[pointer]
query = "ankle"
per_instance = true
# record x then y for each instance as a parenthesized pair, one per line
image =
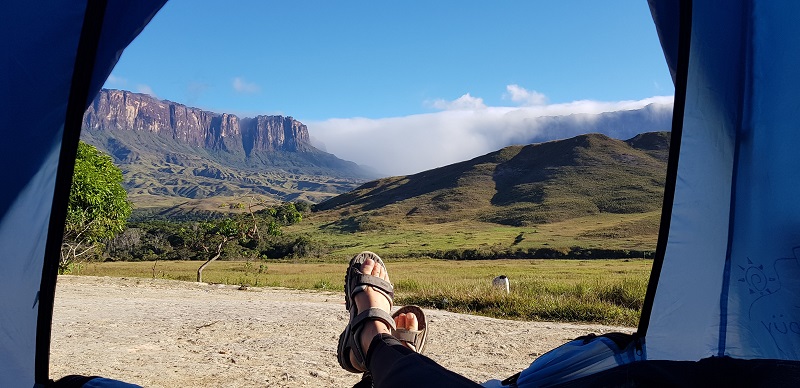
(370, 330)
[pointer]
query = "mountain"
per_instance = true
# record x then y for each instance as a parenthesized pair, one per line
(524, 185)
(169, 150)
(621, 124)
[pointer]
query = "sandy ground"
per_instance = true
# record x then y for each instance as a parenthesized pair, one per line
(160, 333)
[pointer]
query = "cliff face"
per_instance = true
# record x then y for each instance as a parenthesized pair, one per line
(127, 111)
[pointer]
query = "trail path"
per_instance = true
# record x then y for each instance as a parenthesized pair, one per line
(161, 333)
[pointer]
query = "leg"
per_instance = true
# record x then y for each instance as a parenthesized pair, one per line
(392, 364)
(389, 361)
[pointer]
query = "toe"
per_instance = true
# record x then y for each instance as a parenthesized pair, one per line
(371, 267)
(412, 322)
(377, 271)
(400, 321)
(368, 267)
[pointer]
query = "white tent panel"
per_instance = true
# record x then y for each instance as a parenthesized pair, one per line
(684, 323)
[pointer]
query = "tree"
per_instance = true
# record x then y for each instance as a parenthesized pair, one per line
(216, 235)
(98, 206)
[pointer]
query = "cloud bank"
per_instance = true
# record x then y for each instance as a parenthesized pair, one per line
(466, 128)
(465, 102)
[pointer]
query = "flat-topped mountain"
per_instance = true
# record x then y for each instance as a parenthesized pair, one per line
(167, 149)
(127, 111)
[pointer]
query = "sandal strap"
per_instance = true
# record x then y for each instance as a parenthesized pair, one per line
(359, 281)
(409, 336)
(372, 314)
(356, 325)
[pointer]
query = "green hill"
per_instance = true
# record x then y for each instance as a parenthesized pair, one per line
(588, 196)
(524, 185)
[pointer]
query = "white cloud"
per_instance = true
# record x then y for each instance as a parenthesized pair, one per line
(146, 89)
(242, 86)
(114, 81)
(411, 144)
(465, 102)
(523, 96)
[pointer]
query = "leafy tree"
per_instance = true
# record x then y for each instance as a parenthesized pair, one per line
(98, 206)
(288, 214)
(216, 236)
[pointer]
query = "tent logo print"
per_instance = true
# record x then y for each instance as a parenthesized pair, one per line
(775, 309)
(757, 281)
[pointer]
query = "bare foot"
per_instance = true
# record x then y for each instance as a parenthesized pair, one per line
(407, 321)
(371, 298)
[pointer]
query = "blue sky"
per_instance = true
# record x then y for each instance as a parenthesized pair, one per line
(378, 60)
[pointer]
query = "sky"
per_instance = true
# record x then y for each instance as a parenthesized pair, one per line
(388, 75)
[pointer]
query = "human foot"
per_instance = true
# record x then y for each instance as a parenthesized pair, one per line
(372, 298)
(407, 322)
(368, 297)
(412, 327)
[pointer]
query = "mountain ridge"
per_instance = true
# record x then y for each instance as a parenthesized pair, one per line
(167, 149)
(524, 185)
(125, 110)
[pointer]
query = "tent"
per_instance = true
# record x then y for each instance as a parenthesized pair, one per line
(57, 56)
(724, 295)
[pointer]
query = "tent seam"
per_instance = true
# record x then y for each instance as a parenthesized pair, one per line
(741, 127)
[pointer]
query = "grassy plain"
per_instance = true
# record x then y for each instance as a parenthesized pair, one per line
(392, 238)
(604, 291)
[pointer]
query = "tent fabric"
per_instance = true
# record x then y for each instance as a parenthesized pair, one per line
(728, 284)
(49, 63)
(580, 358)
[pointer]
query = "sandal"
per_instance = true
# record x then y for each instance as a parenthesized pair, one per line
(356, 281)
(415, 338)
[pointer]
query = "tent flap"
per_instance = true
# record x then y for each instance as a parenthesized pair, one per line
(728, 283)
(58, 55)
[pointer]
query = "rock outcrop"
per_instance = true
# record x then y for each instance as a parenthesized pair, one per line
(127, 111)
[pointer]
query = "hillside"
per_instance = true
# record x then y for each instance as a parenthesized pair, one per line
(171, 153)
(524, 185)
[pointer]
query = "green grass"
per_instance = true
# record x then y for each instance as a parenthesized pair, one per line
(601, 291)
(395, 239)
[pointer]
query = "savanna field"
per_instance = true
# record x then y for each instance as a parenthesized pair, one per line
(601, 291)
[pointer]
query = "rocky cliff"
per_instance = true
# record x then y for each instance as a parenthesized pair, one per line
(127, 111)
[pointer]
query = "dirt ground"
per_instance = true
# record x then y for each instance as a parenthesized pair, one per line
(161, 333)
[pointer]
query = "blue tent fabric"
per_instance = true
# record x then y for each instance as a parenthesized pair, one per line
(51, 71)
